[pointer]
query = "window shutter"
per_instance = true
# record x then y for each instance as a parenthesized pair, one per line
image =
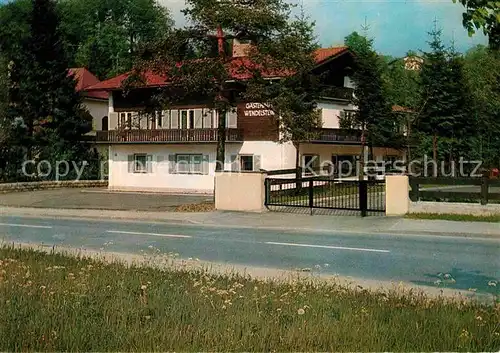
(207, 118)
(159, 163)
(133, 119)
(174, 116)
(165, 120)
(232, 119)
(198, 118)
(149, 163)
(256, 163)
(215, 117)
(131, 161)
(235, 165)
(171, 164)
(206, 164)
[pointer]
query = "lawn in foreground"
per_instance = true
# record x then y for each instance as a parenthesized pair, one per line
(51, 302)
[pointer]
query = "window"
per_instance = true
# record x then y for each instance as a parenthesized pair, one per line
(189, 163)
(207, 118)
(390, 163)
(246, 163)
(140, 163)
(187, 119)
(184, 119)
(191, 119)
(104, 123)
(156, 120)
(125, 121)
(345, 165)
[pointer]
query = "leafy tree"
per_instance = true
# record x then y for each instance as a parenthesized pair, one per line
(373, 114)
(483, 14)
(15, 27)
(482, 71)
(105, 36)
(10, 153)
(42, 94)
(294, 98)
(197, 61)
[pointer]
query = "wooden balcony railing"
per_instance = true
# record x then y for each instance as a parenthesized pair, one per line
(164, 135)
(337, 135)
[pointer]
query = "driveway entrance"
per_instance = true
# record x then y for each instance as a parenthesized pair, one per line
(365, 197)
(99, 199)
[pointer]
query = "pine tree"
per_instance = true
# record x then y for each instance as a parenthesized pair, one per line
(373, 115)
(482, 71)
(43, 95)
(463, 142)
(446, 116)
(436, 119)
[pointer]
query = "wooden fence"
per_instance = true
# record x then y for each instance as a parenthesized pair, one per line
(445, 189)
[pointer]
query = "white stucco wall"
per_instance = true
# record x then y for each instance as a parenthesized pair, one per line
(272, 155)
(331, 112)
(98, 109)
(159, 179)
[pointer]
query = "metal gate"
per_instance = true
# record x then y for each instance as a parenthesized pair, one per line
(325, 193)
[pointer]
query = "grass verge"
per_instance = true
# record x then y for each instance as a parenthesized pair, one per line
(454, 217)
(52, 302)
(197, 207)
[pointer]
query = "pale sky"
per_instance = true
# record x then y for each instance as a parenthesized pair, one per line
(396, 25)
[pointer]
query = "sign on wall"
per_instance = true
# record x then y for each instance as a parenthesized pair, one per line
(256, 109)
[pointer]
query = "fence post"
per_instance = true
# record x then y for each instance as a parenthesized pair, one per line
(363, 197)
(484, 189)
(267, 186)
(311, 195)
(414, 192)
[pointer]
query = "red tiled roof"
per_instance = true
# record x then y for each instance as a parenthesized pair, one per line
(84, 78)
(237, 71)
(326, 53)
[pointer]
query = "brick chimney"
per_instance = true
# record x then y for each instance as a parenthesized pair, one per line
(240, 49)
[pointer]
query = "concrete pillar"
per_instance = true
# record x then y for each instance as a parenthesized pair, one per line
(111, 166)
(243, 191)
(397, 199)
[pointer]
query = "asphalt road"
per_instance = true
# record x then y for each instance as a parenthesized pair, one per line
(471, 262)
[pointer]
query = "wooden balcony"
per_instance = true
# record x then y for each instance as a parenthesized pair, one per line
(338, 136)
(166, 136)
